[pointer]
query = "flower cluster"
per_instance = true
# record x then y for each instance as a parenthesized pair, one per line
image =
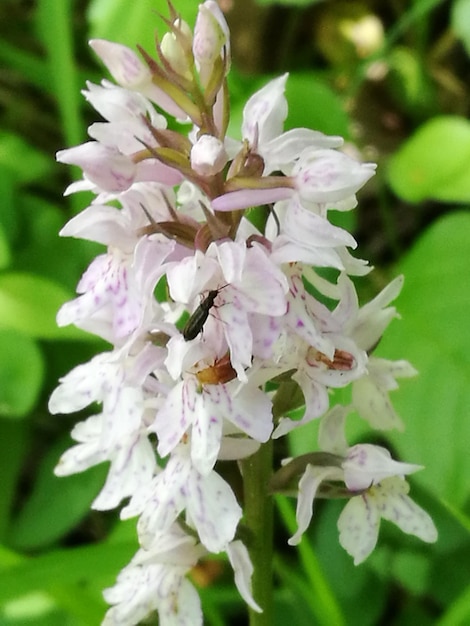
(203, 305)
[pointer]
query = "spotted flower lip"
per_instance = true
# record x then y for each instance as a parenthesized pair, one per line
(225, 294)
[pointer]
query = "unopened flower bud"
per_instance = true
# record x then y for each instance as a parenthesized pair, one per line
(208, 155)
(210, 33)
(175, 51)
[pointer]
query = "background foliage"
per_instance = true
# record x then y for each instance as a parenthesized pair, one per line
(392, 77)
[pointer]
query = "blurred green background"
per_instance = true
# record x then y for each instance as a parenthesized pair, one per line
(392, 77)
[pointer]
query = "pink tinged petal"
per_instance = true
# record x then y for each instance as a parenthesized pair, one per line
(104, 166)
(206, 432)
(124, 64)
(353, 266)
(133, 465)
(347, 308)
(265, 112)
(103, 224)
(282, 151)
(211, 33)
(308, 486)
(307, 228)
(266, 331)
(85, 384)
(256, 283)
(250, 410)
(213, 509)
(368, 464)
(384, 372)
(175, 416)
(302, 324)
(129, 71)
(87, 453)
(239, 338)
(316, 403)
(358, 527)
(117, 104)
(154, 171)
(246, 198)
(108, 284)
(373, 404)
(326, 176)
(168, 499)
(395, 506)
(286, 251)
(79, 185)
(243, 569)
(375, 316)
(122, 416)
(331, 433)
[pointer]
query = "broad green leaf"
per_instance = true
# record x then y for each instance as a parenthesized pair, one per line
(21, 373)
(106, 18)
(56, 504)
(87, 566)
(29, 304)
(433, 334)
(434, 162)
(26, 163)
(5, 255)
(290, 3)
(312, 104)
(460, 21)
(14, 443)
(55, 29)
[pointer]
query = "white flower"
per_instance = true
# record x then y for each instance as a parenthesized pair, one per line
(155, 580)
(371, 471)
(211, 507)
(329, 176)
(128, 71)
(359, 521)
(202, 411)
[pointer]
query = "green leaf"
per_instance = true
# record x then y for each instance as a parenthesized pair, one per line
(460, 21)
(434, 162)
(56, 504)
(290, 3)
(13, 448)
(5, 256)
(29, 304)
(26, 163)
(433, 335)
(85, 567)
(21, 373)
(312, 104)
(141, 20)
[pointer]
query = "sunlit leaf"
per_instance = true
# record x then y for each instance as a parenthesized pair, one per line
(140, 23)
(313, 104)
(29, 303)
(25, 162)
(433, 335)
(55, 504)
(460, 21)
(434, 162)
(21, 373)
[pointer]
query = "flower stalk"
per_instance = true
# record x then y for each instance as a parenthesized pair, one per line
(258, 518)
(236, 352)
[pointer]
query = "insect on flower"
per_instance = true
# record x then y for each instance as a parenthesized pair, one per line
(196, 322)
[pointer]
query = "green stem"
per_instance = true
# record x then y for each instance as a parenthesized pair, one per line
(257, 471)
